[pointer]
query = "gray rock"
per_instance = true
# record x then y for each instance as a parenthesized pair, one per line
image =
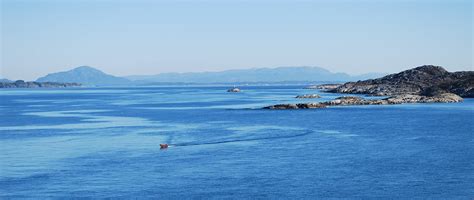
(408, 98)
(352, 100)
(324, 86)
(308, 96)
(295, 106)
(234, 90)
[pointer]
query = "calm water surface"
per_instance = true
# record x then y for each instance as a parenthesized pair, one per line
(104, 142)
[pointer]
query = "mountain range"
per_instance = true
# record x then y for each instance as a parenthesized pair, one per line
(280, 74)
(90, 76)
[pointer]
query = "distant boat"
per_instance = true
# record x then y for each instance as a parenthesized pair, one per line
(234, 89)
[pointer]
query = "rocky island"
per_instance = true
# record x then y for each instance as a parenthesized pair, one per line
(354, 100)
(308, 96)
(427, 80)
(425, 84)
(34, 84)
(234, 89)
(329, 86)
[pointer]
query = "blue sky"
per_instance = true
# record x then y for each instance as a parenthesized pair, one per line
(128, 37)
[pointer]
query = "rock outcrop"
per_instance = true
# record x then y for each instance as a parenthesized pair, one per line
(295, 106)
(440, 98)
(23, 84)
(308, 96)
(324, 86)
(427, 80)
(353, 100)
(234, 90)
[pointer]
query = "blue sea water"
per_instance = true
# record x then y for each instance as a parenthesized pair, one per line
(104, 143)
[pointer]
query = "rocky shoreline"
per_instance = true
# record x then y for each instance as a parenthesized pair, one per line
(425, 84)
(23, 84)
(353, 100)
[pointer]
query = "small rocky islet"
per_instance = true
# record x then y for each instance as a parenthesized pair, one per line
(234, 90)
(329, 86)
(308, 96)
(424, 84)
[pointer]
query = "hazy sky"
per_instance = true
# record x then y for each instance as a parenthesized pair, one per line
(149, 37)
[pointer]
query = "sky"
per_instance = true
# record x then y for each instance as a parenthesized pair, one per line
(130, 37)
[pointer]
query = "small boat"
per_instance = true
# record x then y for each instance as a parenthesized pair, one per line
(163, 146)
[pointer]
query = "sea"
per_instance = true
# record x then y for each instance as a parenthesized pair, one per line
(105, 143)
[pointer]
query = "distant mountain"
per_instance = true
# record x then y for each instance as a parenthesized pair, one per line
(85, 75)
(4, 80)
(280, 74)
(89, 76)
